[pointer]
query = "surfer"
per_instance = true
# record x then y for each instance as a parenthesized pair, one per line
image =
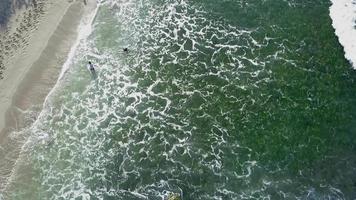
(126, 50)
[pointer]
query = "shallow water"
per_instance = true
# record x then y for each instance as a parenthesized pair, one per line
(213, 100)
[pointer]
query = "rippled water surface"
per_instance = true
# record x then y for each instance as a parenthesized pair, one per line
(228, 99)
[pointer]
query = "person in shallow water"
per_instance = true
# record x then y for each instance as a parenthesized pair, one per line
(91, 66)
(92, 69)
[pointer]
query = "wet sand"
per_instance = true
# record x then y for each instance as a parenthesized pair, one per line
(33, 51)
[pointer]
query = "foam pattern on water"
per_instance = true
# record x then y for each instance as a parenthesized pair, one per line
(172, 115)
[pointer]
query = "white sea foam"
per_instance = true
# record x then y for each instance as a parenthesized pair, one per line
(84, 30)
(114, 130)
(343, 14)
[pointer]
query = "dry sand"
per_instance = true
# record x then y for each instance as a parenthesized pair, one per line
(33, 51)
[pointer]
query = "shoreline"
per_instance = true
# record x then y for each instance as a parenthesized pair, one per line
(19, 64)
(32, 73)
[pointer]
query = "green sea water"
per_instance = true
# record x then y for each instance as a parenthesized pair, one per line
(228, 99)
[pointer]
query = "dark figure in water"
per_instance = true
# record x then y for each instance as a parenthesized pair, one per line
(91, 67)
(92, 70)
(126, 50)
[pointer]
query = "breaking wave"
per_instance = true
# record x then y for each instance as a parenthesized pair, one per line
(343, 14)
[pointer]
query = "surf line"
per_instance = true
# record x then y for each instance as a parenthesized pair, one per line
(85, 28)
(83, 31)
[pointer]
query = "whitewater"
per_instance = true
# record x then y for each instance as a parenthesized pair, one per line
(343, 14)
(214, 100)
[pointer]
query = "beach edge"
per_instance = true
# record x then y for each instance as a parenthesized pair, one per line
(35, 81)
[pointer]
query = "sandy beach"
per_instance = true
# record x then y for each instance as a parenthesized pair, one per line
(32, 52)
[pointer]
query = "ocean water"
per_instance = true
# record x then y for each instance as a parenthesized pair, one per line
(228, 99)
